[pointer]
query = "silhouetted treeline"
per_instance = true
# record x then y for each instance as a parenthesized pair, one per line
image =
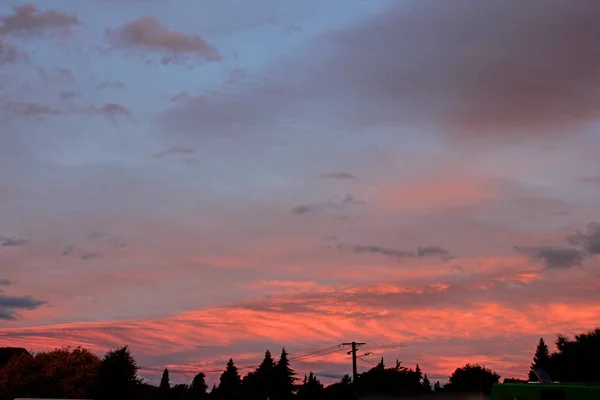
(575, 360)
(77, 373)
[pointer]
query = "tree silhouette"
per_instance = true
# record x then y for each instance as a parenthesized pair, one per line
(576, 360)
(437, 387)
(346, 380)
(179, 392)
(541, 359)
(259, 384)
(197, 390)
(230, 382)
(117, 377)
(61, 373)
(311, 388)
(283, 378)
(426, 384)
(165, 385)
(6, 353)
(472, 378)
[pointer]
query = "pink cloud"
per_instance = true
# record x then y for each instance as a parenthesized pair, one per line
(481, 308)
(147, 33)
(27, 19)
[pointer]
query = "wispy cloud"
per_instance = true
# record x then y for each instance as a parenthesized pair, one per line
(13, 241)
(111, 85)
(340, 175)
(90, 256)
(175, 151)
(386, 251)
(25, 109)
(27, 19)
(422, 251)
(147, 33)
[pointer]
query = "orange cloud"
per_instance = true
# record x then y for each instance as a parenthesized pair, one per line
(418, 320)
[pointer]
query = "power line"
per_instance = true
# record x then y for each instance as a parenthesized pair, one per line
(309, 355)
(367, 361)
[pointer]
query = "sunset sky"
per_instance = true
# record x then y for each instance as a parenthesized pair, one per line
(210, 179)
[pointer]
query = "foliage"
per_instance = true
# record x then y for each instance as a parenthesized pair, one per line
(311, 388)
(6, 353)
(541, 359)
(179, 392)
(283, 379)
(230, 382)
(472, 378)
(165, 385)
(426, 384)
(259, 383)
(117, 378)
(197, 390)
(576, 360)
(60, 373)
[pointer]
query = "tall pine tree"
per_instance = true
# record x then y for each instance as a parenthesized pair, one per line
(541, 359)
(283, 379)
(230, 382)
(426, 384)
(165, 385)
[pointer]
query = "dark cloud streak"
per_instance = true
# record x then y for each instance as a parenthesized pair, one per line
(552, 257)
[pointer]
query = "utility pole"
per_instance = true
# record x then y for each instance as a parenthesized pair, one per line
(355, 347)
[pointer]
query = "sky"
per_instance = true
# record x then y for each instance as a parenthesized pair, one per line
(209, 179)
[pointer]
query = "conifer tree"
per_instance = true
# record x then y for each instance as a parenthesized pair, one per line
(346, 380)
(265, 373)
(541, 359)
(283, 379)
(426, 384)
(418, 372)
(230, 382)
(311, 387)
(165, 384)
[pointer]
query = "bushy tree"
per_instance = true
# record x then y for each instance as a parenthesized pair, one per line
(576, 360)
(6, 353)
(311, 388)
(472, 378)
(61, 373)
(197, 390)
(117, 378)
(179, 392)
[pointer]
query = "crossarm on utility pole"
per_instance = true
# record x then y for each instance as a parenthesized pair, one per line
(355, 346)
